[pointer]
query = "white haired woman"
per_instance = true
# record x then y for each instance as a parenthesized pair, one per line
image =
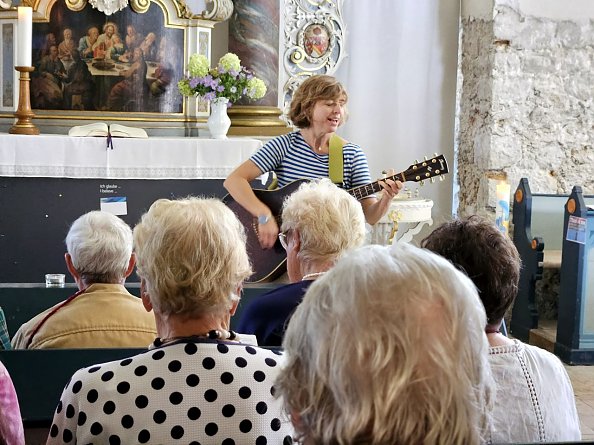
(320, 223)
(198, 383)
(388, 347)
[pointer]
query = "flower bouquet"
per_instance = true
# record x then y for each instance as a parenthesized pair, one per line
(223, 85)
(227, 80)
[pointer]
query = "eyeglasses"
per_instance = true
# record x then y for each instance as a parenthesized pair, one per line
(282, 237)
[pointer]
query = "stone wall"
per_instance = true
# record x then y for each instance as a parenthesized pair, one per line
(525, 103)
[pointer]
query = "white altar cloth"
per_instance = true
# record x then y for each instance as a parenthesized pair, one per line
(152, 158)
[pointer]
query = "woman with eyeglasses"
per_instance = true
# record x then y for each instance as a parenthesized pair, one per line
(320, 223)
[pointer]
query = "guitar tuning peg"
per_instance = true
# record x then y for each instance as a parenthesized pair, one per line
(422, 183)
(442, 178)
(435, 154)
(416, 161)
(432, 180)
(425, 158)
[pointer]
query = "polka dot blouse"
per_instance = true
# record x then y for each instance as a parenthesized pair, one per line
(205, 392)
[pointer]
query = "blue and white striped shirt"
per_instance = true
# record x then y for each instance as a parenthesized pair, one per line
(291, 158)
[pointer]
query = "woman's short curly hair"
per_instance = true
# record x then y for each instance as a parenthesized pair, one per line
(192, 256)
(330, 221)
(388, 347)
(477, 247)
(313, 89)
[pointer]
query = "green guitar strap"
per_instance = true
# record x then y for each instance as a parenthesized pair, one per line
(335, 160)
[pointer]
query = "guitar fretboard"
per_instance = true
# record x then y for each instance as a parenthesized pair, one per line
(364, 191)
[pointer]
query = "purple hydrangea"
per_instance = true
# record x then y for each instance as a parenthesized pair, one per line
(194, 81)
(209, 96)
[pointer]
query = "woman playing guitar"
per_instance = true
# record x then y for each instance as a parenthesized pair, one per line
(318, 108)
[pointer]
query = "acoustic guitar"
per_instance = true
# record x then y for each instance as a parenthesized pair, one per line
(269, 264)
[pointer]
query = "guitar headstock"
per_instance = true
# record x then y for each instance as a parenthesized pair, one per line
(429, 168)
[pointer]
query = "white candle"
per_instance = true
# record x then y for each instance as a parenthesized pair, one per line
(502, 207)
(24, 36)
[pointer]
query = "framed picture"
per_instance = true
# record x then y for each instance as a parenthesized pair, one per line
(89, 62)
(316, 40)
(124, 66)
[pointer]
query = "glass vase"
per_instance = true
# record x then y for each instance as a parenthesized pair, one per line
(218, 121)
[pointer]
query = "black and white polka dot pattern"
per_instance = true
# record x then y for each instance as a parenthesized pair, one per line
(199, 393)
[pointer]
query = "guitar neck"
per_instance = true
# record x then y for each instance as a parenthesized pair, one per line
(418, 172)
(364, 191)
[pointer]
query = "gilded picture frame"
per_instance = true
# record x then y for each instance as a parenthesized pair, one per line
(107, 86)
(86, 61)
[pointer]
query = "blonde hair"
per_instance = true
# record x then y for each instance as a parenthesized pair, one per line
(191, 253)
(329, 220)
(313, 89)
(388, 347)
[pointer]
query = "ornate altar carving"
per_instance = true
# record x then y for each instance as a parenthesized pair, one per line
(314, 40)
(218, 10)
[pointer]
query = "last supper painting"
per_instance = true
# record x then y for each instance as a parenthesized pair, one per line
(88, 61)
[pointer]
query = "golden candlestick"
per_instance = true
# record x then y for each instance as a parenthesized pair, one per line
(24, 114)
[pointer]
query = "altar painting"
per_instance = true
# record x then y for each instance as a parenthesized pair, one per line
(125, 62)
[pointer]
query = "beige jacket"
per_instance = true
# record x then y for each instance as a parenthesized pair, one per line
(104, 316)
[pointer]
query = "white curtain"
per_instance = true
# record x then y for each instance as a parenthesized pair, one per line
(400, 73)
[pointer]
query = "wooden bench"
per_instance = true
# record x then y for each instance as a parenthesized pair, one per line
(22, 301)
(575, 325)
(538, 235)
(39, 376)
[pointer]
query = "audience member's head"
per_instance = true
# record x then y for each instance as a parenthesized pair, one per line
(388, 347)
(99, 249)
(191, 256)
(320, 222)
(477, 247)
